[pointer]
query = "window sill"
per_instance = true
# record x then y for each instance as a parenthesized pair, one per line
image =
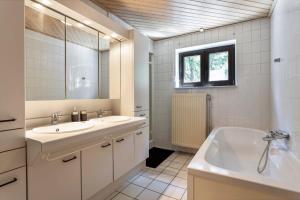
(207, 87)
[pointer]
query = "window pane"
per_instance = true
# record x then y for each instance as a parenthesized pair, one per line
(218, 66)
(192, 69)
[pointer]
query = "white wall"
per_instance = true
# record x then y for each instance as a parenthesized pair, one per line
(38, 113)
(285, 82)
(246, 105)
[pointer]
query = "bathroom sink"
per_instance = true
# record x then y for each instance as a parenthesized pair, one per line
(64, 128)
(112, 119)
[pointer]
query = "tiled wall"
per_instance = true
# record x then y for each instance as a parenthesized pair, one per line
(285, 83)
(246, 105)
(45, 67)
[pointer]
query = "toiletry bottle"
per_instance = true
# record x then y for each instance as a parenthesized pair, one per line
(83, 115)
(75, 115)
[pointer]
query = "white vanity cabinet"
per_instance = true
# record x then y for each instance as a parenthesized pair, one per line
(123, 154)
(12, 103)
(59, 179)
(13, 185)
(97, 168)
(141, 145)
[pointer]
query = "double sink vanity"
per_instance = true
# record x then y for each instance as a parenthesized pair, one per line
(77, 160)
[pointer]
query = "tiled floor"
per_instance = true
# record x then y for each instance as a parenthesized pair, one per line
(166, 182)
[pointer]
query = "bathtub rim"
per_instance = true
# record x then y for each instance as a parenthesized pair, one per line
(200, 167)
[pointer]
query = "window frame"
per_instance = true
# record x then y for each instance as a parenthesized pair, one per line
(204, 53)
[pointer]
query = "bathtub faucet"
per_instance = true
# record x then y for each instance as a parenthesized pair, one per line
(276, 134)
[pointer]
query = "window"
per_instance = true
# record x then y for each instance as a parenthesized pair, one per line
(207, 67)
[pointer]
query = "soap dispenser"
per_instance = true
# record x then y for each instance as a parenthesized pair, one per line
(75, 115)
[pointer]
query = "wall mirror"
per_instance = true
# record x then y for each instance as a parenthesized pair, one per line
(66, 59)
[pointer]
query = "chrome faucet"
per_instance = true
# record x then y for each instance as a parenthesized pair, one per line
(55, 117)
(275, 135)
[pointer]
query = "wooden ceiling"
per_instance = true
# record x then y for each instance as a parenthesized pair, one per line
(166, 18)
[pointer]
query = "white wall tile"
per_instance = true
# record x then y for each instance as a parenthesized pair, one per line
(285, 78)
(244, 105)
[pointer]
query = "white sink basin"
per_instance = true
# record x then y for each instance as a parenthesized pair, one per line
(64, 128)
(111, 119)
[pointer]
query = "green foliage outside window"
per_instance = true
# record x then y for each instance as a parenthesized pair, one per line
(192, 69)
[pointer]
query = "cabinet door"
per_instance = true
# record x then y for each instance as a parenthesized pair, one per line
(141, 145)
(12, 102)
(123, 155)
(58, 179)
(97, 169)
(13, 185)
(141, 72)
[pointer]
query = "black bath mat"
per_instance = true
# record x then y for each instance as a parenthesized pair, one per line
(157, 156)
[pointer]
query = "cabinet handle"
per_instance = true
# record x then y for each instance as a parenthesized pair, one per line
(120, 140)
(68, 160)
(138, 106)
(105, 145)
(9, 182)
(142, 115)
(139, 133)
(8, 120)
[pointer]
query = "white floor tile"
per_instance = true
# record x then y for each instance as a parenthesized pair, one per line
(150, 173)
(165, 163)
(132, 190)
(159, 168)
(174, 192)
(176, 165)
(148, 195)
(123, 186)
(182, 174)
(142, 181)
(121, 197)
(171, 171)
(163, 197)
(180, 159)
(184, 197)
(179, 182)
(131, 179)
(158, 186)
(112, 195)
(165, 178)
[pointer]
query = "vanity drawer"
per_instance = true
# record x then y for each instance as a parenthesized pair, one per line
(12, 159)
(144, 113)
(13, 185)
(12, 139)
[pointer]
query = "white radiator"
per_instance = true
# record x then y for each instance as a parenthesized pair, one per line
(190, 120)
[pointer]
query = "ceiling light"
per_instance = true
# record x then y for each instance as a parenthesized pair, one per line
(68, 24)
(46, 2)
(39, 6)
(87, 22)
(114, 35)
(106, 37)
(80, 25)
(201, 29)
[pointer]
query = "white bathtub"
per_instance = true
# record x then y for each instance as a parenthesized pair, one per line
(225, 168)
